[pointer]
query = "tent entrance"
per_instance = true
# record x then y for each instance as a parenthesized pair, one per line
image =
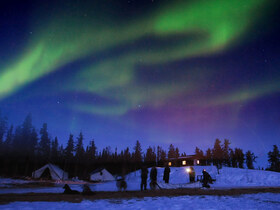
(46, 174)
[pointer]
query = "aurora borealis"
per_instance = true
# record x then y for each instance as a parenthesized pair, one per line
(182, 72)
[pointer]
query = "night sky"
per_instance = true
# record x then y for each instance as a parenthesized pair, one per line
(158, 71)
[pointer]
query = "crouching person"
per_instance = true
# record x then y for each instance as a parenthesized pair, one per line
(206, 179)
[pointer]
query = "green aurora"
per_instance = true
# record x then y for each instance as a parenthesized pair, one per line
(183, 30)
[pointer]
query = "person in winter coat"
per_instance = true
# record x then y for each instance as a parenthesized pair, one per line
(206, 179)
(153, 177)
(192, 174)
(144, 176)
(166, 174)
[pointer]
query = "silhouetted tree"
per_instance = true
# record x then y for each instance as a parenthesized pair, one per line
(127, 155)
(44, 144)
(198, 153)
(54, 150)
(250, 159)
(177, 153)
(171, 152)
(3, 128)
(239, 155)
(26, 137)
(274, 159)
(217, 153)
(150, 156)
(80, 151)
(209, 158)
(161, 156)
(69, 150)
(233, 159)
(91, 152)
(137, 155)
(226, 156)
(9, 140)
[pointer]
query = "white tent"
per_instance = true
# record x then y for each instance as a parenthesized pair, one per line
(101, 175)
(55, 172)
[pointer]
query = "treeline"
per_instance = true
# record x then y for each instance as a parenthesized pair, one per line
(222, 155)
(23, 149)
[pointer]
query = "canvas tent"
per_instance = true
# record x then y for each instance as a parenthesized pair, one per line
(50, 171)
(101, 175)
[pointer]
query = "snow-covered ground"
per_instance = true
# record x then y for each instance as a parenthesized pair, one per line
(7, 182)
(179, 178)
(253, 201)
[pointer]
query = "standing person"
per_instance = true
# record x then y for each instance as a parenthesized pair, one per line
(166, 174)
(144, 176)
(206, 179)
(192, 174)
(153, 177)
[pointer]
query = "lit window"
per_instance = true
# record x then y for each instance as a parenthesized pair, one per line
(184, 162)
(169, 163)
(197, 162)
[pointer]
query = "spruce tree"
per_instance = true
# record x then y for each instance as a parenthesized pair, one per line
(209, 156)
(217, 153)
(226, 157)
(45, 143)
(137, 152)
(150, 155)
(3, 129)
(274, 159)
(250, 159)
(80, 146)
(239, 155)
(54, 150)
(127, 155)
(177, 153)
(69, 150)
(198, 153)
(233, 159)
(171, 152)
(91, 152)
(9, 140)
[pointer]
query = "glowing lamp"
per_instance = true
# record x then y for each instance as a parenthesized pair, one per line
(169, 163)
(197, 162)
(184, 162)
(188, 170)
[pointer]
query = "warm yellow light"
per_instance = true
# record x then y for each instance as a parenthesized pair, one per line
(197, 162)
(169, 163)
(188, 170)
(184, 162)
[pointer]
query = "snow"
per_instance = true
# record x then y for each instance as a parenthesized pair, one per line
(179, 178)
(7, 182)
(252, 201)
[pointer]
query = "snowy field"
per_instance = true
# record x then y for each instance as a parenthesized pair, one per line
(179, 178)
(253, 201)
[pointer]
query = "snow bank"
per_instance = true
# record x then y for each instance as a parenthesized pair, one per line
(237, 177)
(254, 201)
(179, 178)
(7, 182)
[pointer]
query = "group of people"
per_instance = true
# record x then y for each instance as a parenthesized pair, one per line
(206, 178)
(153, 177)
(121, 184)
